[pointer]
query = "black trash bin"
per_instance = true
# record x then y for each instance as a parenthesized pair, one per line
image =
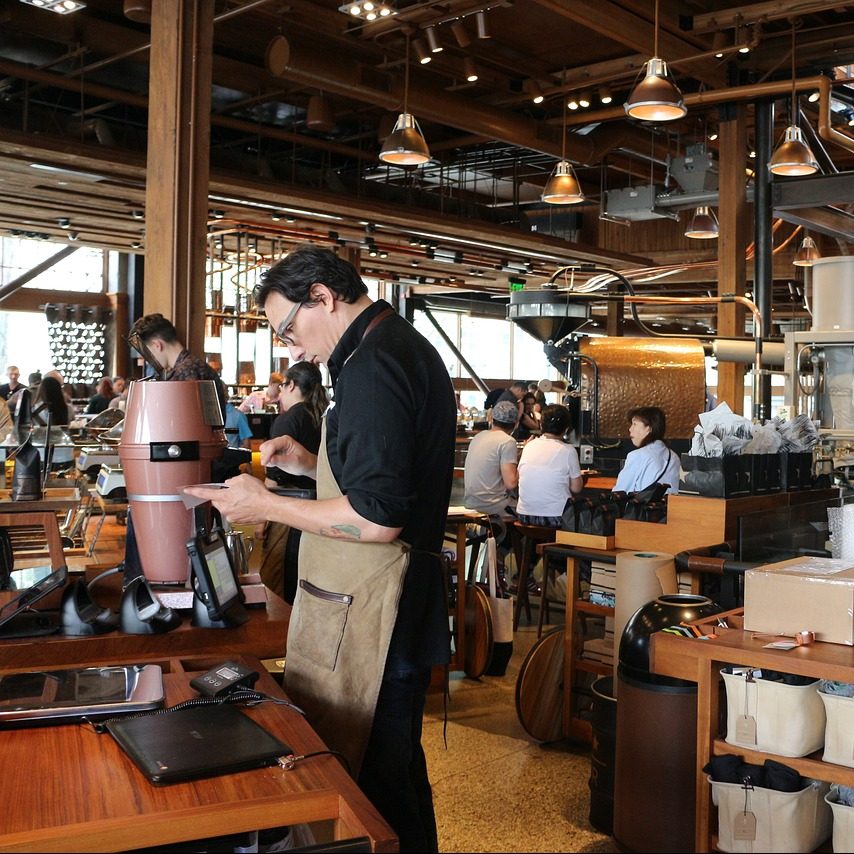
(603, 719)
(656, 750)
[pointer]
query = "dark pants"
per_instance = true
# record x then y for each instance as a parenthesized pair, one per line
(394, 771)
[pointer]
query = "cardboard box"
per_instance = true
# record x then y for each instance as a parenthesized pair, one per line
(809, 593)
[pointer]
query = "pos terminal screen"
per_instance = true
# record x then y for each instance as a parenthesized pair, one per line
(220, 572)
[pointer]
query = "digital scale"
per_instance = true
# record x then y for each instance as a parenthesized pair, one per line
(91, 459)
(111, 483)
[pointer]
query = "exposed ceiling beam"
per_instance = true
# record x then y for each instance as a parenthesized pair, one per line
(770, 10)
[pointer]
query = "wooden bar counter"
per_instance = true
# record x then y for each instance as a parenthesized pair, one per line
(68, 788)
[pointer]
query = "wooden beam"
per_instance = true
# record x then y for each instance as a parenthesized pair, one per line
(176, 196)
(769, 10)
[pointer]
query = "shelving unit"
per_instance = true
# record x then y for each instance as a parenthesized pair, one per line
(701, 662)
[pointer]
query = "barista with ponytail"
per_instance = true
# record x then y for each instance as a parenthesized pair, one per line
(303, 400)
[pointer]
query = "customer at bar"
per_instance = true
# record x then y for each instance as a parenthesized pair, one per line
(549, 471)
(652, 461)
(370, 560)
(491, 475)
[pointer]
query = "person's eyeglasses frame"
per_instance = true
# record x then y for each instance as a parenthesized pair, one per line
(282, 330)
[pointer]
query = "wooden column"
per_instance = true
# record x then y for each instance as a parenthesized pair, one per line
(176, 193)
(732, 245)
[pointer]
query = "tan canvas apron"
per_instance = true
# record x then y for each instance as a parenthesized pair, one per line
(340, 628)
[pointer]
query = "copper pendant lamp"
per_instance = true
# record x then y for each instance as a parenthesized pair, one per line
(793, 156)
(807, 253)
(563, 188)
(405, 145)
(656, 98)
(703, 224)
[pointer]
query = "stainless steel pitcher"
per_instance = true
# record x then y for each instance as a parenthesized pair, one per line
(240, 547)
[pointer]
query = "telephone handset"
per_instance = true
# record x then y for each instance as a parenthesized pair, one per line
(223, 679)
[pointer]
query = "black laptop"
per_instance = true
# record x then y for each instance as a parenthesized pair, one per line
(194, 742)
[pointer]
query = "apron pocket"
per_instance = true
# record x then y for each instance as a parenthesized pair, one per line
(321, 617)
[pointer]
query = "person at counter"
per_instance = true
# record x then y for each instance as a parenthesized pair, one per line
(102, 397)
(156, 340)
(549, 471)
(304, 401)
(370, 617)
(491, 474)
(10, 389)
(258, 401)
(652, 462)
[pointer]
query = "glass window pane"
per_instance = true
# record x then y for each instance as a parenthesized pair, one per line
(448, 321)
(485, 343)
(529, 360)
(83, 271)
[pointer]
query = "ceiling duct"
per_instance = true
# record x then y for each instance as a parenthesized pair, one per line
(636, 203)
(696, 171)
(547, 315)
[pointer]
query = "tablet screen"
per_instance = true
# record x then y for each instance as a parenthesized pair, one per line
(223, 583)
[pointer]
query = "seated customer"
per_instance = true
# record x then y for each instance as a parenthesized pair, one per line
(102, 397)
(491, 474)
(652, 462)
(549, 471)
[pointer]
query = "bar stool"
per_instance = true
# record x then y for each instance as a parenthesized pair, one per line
(525, 537)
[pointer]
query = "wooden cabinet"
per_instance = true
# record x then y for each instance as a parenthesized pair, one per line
(700, 661)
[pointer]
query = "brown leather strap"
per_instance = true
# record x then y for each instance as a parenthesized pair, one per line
(376, 321)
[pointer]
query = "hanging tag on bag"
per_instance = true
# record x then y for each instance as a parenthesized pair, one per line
(745, 729)
(744, 826)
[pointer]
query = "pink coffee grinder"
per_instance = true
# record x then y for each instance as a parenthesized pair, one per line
(172, 433)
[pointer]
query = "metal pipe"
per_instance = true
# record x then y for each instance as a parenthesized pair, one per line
(444, 336)
(16, 284)
(764, 260)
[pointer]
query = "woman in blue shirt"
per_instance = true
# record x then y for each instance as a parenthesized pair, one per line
(653, 461)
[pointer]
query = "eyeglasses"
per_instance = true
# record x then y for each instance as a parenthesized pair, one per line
(283, 330)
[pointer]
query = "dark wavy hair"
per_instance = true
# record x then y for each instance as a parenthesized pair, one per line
(309, 381)
(304, 266)
(654, 418)
(556, 419)
(154, 326)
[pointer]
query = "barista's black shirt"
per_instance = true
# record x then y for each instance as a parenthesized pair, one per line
(390, 440)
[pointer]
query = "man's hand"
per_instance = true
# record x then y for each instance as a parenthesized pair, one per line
(244, 501)
(286, 453)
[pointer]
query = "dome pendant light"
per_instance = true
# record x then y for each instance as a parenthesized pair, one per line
(807, 253)
(563, 187)
(703, 224)
(793, 156)
(405, 145)
(656, 98)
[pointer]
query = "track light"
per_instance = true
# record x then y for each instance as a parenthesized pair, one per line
(656, 98)
(460, 33)
(807, 253)
(63, 222)
(572, 103)
(719, 42)
(138, 214)
(532, 87)
(703, 224)
(433, 40)
(584, 100)
(482, 29)
(605, 95)
(421, 51)
(469, 69)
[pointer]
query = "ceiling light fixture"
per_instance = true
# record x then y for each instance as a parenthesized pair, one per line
(420, 50)
(469, 69)
(584, 100)
(605, 95)
(482, 29)
(562, 188)
(807, 253)
(703, 224)
(370, 10)
(719, 42)
(405, 145)
(793, 156)
(532, 87)
(572, 103)
(61, 7)
(656, 98)
(460, 33)
(433, 40)
(63, 222)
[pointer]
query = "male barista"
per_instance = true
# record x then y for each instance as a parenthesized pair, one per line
(156, 340)
(370, 615)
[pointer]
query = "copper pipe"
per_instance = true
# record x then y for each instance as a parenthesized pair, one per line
(825, 128)
(715, 96)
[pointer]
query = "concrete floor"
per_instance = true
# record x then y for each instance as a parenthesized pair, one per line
(494, 787)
